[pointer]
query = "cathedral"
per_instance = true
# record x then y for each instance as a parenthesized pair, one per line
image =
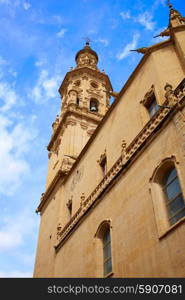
(114, 201)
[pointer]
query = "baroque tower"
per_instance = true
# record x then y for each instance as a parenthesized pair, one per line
(85, 93)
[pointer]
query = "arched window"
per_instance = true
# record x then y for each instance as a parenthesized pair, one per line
(173, 194)
(167, 196)
(104, 253)
(107, 257)
(94, 105)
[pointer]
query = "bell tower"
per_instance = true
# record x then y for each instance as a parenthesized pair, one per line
(85, 93)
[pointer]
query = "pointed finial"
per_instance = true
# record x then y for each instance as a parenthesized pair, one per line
(87, 40)
(169, 4)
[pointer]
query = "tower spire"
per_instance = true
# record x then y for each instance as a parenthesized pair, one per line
(175, 18)
(169, 4)
(87, 40)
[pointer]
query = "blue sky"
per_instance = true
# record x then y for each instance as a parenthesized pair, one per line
(38, 43)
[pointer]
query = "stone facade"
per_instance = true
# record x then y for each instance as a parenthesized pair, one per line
(105, 165)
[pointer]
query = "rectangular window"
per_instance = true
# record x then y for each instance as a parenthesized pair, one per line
(152, 106)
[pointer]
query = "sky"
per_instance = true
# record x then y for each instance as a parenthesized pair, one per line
(38, 43)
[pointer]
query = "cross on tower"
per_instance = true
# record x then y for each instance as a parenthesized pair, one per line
(169, 3)
(88, 40)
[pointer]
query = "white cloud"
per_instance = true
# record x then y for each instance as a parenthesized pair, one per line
(39, 63)
(13, 232)
(145, 19)
(46, 87)
(5, 1)
(105, 42)
(10, 239)
(7, 96)
(26, 5)
(15, 274)
(14, 143)
(2, 61)
(125, 15)
(132, 45)
(61, 33)
(15, 137)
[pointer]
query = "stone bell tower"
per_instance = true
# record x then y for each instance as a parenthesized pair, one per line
(85, 93)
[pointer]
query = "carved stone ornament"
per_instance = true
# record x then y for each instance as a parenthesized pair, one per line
(91, 131)
(59, 227)
(123, 147)
(55, 124)
(169, 95)
(66, 165)
(42, 196)
(56, 145)
(84, 125)
(69, 203)
(82, 199)
(148, 96)
(102, 157)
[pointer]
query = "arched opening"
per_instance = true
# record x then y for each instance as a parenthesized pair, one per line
(105, 259)
(94, 105)
(167, 196)
(173, 195)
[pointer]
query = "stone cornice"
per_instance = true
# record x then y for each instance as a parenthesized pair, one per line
(82, 71)
(123, 162)
(45, 196)
(77, 112)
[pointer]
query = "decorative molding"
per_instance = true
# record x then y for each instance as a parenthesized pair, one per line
(121, 165)
(55, 164)
(56, 145)
(84, 125)
(55, 124)
(69, 203)
(71, 122)
(123, 146)
(82, 199)
(96, 118)
(170, 95)
(82, 73)
(165, 160)
(85, 77)
(148, 96)
(59, 226)
(45, 196)
(90, 131)
(66, 165)
(103, 156)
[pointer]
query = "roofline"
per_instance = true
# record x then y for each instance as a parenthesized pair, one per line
(84, 68)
